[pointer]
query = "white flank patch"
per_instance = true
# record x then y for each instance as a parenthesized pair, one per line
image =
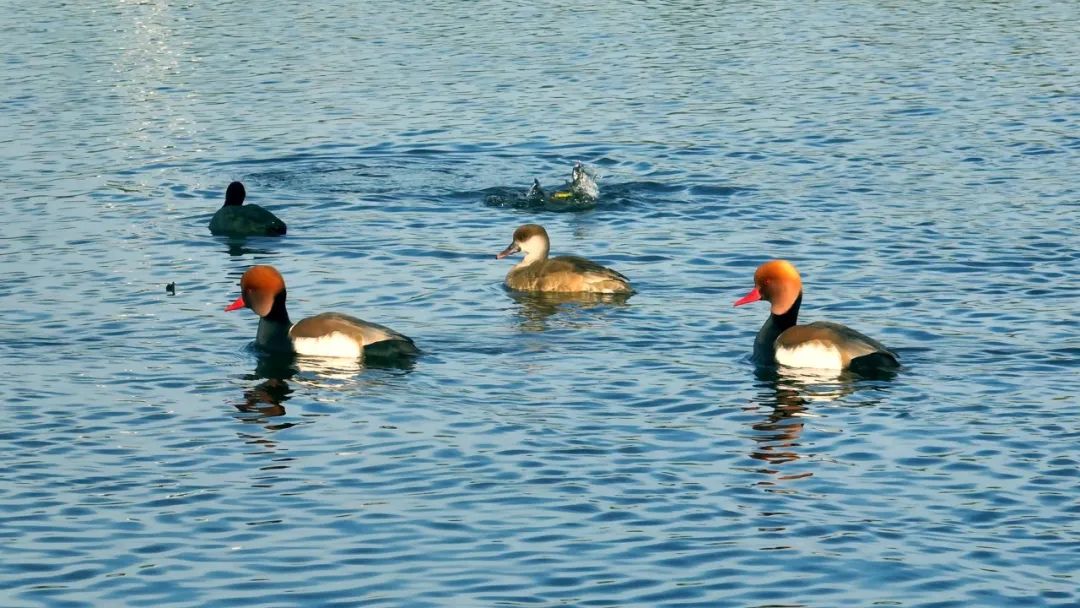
(811, 354)
(336, 344)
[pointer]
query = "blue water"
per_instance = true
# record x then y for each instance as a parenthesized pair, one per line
(917, 161)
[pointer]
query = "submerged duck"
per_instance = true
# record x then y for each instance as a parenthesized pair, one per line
(820, 344)
(329, 334)
(568, 273)
(582, 188)
(237, 219)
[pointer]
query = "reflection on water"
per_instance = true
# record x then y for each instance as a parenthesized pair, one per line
(536, 307)
(777, 436)
(239, 246)
(267, 398)
(788, 394)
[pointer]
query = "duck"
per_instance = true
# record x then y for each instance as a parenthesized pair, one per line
(330, 334)
(237, 219)
(563, 274)
(582, 189)
(822, 344)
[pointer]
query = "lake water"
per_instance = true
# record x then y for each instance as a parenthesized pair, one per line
(917, 161)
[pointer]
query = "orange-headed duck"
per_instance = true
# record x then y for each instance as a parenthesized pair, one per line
(567, 274)
(237, 219)
(329, 334)
(820, 344)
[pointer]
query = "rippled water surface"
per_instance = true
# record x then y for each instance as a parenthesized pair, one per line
(917, 161)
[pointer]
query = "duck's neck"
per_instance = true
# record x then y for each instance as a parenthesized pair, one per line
(273, 333)
(233, 199)
(776, 324)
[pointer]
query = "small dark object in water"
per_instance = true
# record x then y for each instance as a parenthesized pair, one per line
(171, 289)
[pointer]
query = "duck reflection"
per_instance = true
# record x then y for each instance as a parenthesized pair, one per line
(237, 246)
(274, 371)
(535, 307)
(267, 398)
(777, 436)
(788, 394)
(327, 372)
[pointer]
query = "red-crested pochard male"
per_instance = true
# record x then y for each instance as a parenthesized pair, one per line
(820, 344)
(330, 334)
(237, 219)
(567, 274)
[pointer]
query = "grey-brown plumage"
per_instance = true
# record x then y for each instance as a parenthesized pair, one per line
(377, 340)
(852, 345)
(568, 273)
(237, 219)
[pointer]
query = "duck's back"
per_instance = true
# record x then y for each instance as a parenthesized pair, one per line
(800, 344)
(246, 220)
(334, 327)
(567, 274)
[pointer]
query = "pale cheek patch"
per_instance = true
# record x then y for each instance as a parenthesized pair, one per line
(532, 248)
(811, 354)
(334, 345)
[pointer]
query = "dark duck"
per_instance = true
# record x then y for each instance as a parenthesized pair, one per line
(237, 219)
